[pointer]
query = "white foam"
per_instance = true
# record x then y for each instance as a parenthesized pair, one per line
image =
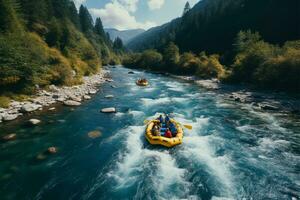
(132, 163)
(175, 86)
(202, 149)
(163, 100)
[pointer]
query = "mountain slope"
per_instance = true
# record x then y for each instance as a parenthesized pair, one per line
(124, 35)
(211, 25)
(46, 42)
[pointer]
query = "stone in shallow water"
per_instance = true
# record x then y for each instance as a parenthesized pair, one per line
(94, 134)
(50, 109)
(86, 97)
(10, 117)
(92, 91)
(30, 107)
(52, 150)
(72, 103)
(108, 110)
(34, 121)
(41, 156)
(9, 137)
(109, 96)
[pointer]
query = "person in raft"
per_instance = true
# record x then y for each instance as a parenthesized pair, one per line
(155, 130)
(168, 133)
(165, 127)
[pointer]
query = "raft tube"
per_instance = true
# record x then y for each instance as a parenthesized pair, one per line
(142, 83)
(164, 141)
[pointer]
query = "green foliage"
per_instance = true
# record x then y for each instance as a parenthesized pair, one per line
(266, 65)
(210, 67)
(150, 59)
(4, 102)
(9, 16)
(118, 45)
(171, 56)
(41, 43)
(212, 26)
(85, 18)
(187, 63)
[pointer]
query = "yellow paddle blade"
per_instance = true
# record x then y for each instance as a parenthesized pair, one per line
(188, 126)
(146, 121)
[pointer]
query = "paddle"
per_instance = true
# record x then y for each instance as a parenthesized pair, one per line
(190, 127)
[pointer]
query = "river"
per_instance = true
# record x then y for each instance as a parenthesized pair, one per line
(232, 152)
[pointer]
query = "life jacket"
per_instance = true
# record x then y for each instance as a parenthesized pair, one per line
(168, 134)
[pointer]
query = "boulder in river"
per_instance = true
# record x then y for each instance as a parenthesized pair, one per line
(72, 103)
(9, 137)
(30, 107)
(130, 72)
(51, 109)
(91, 91)
(9, 117)
(52, 150)
(94, 134)
(109, 96)
(86, 97)
(109, 110)
(34, 121)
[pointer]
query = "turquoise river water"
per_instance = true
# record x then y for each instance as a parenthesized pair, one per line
(233, 151)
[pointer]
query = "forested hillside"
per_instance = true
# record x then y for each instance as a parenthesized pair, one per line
(46, 42)
(237, 41)
(212, 25)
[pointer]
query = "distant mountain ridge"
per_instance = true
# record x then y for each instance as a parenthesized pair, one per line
(125, 35)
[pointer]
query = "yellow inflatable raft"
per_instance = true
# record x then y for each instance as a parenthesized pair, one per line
(142, 83)
(160, 140)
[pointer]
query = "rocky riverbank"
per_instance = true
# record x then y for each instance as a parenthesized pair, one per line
(69, 96)
(268, 101)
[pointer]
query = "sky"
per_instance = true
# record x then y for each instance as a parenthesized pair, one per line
(132, 14)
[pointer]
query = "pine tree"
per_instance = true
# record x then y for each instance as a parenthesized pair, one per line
(187, 8)
(118, 44)
(99, 28)
(85, 18)
(74, 14)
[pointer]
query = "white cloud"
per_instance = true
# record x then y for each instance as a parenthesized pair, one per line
(130, 5)
(79, 2)
(116, 15)
(155, 4)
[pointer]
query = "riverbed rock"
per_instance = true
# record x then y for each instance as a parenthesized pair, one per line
(109, 96)
(61, 99)
(51, 109)
(212, 84)
(91, 91)
(9, 137)
(52, 150)
(87, 97)
(9, 117)
(75, 98)
(34, 121)
(108, 110)
(53, 88)
(71, 103)
(130, 72)
(30, 107)
(94, 134)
